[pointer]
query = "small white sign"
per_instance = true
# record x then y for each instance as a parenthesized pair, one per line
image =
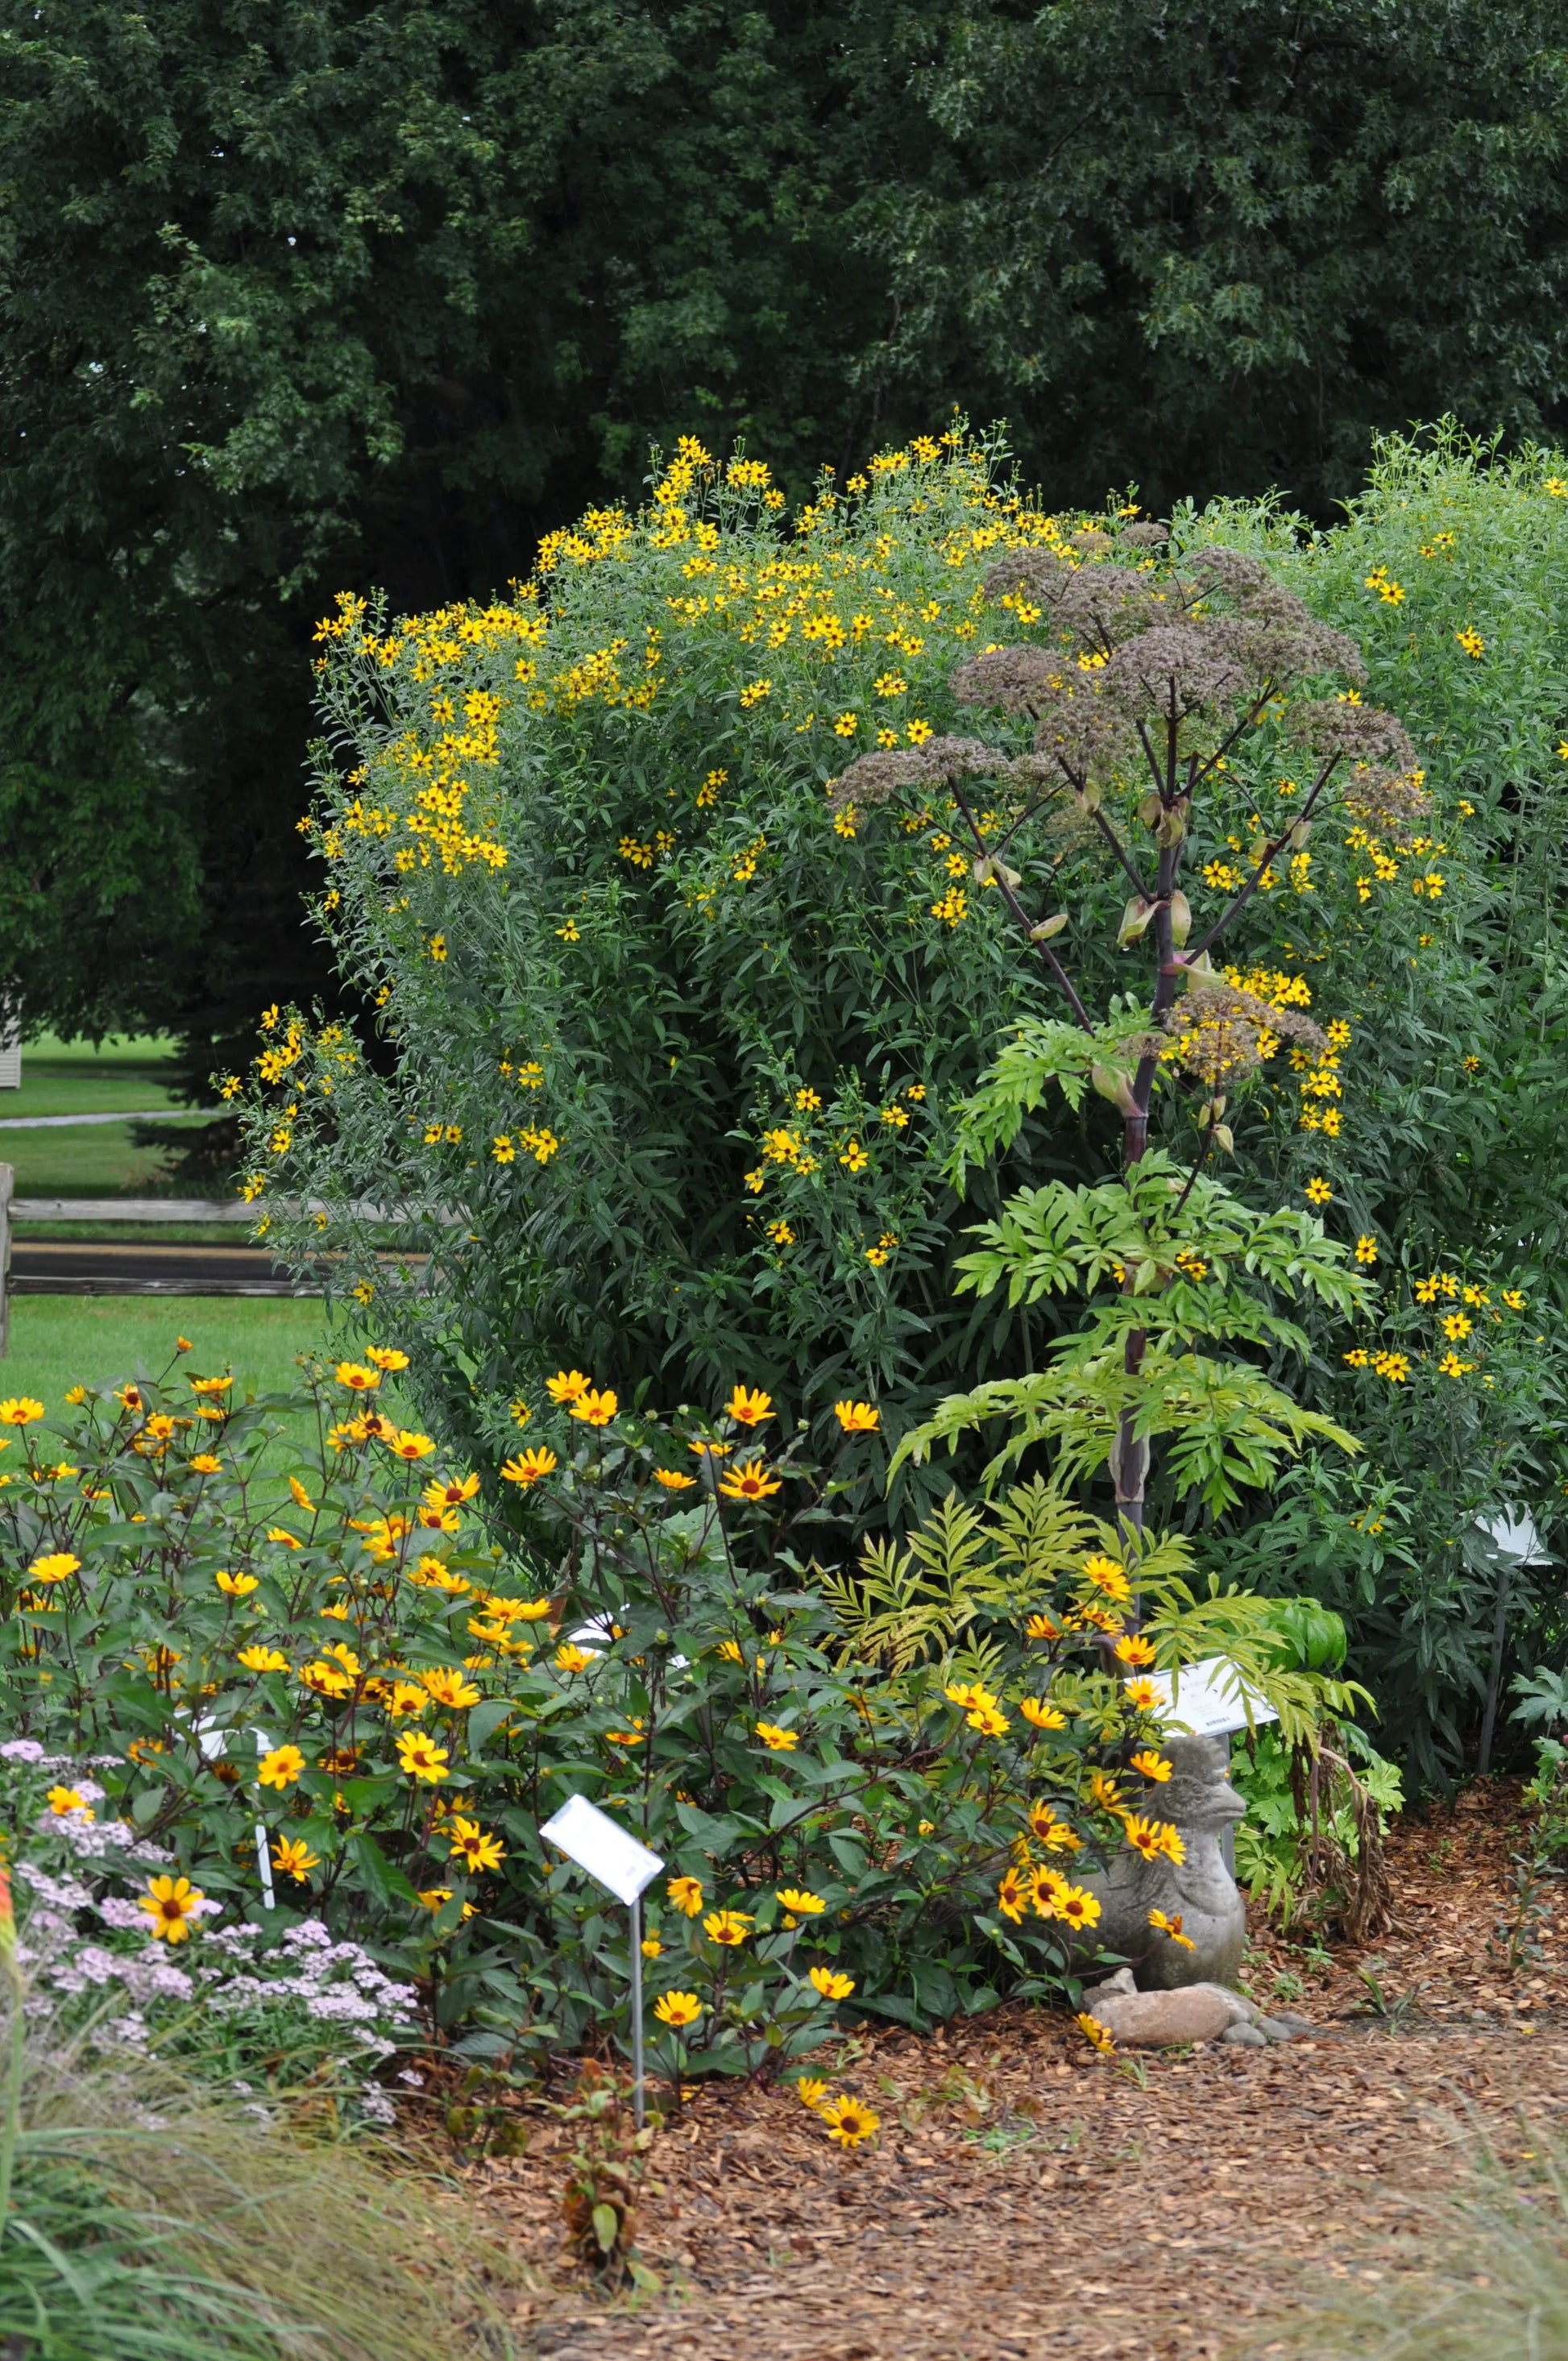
(1208, 1698)
(608, 1852)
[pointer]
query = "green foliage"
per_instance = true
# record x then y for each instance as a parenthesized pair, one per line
(382, 296)
(402, 1707)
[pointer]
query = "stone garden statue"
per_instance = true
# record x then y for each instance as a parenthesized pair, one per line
(1200, 1800)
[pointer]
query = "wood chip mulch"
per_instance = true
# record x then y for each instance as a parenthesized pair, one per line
(1026, 2197)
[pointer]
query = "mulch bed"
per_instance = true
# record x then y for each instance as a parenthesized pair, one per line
(1028, 2197)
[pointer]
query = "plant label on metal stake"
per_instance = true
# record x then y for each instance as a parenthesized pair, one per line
(614, 1859)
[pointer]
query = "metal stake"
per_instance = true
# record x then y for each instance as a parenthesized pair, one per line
(637, 2012)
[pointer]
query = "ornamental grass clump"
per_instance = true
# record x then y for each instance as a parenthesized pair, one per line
(152, 2217)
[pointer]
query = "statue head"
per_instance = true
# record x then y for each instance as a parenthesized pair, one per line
(1198, 1794)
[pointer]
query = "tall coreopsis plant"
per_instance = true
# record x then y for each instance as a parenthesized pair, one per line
(1159, 696)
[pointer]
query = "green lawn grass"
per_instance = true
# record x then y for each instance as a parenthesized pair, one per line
(59, 1340)
(72, 1078)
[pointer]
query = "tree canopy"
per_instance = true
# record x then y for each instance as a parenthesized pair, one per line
(305, 297)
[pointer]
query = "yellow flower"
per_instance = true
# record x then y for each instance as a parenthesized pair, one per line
(1151, 1766)
(449, 1688)
(673, 1480)
(281, 1535)
(1093, 2031)
(203, 1464)
(292, 1856)
(569, 1658)
(751, 1408)
(568, 1384)
(846, 725)
(685, 1894)
(235, 1586)
(1456, 1327)
(54, 1567)
(21, 1409)
(677, 2010)
(726, 1926)
(811, 2090)
(1172, 1929)
(474, 1846)
(802, 1905)
(1107, 1576)
(1366, 1248)
(1154, 1840)
(263, 1660)
(1134, 1650)
(410, 1448)
(594, 1409)
(1319, 1191)
(848, 2121)
(779, 1742)
(281, 1768)
(855, 1157)
(989, 1722)
(357, 1377)
(1142, 1695)
(63, 1800)
(420, 1758)
(1041, 1715)
(857, 1417)
(749, 1481)
(530, 1466)
(1076, 1906)
(830, 1983)
(170, 1903)
(652, 1947)
(404, 1696)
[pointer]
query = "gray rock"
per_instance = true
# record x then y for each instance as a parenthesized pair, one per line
(1163, 2020)
(1280, 2028)
(1242, 2035)
(1201, 1803)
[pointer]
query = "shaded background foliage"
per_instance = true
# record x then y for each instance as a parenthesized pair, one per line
(301, 296)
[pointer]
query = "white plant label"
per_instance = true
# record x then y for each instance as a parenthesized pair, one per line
(599, 1844)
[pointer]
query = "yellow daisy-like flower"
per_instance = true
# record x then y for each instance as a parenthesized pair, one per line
(1094, 2032)
(569, 1658)
(593, 1408)
(857, 1417)
(750, 1407)
(686, 1892)
(673, 1480)
(1042, 1716)
(749, 1481)
(677, 2010)
(21, 1409)
(799, 1902)
(728, 1927)
(171, 1904)
(569, 1385)
(235, 1586)
(281, 1768)
(203, 1464)
(1319, 1191)
(291, 1857)
(1142, 1695)
(989, 1722)
(529, 1465)
(1149, 1765)
(778, 1740)
(1366, 1248)
(848, 2121)
(357, 1377)
(811, 2090)
(830, 1983)
(1135, 1650)
(56, 1567)
(420, 1758)
(263, 1660)
(63, 1801)
(1171, 1929)
(449, 1688)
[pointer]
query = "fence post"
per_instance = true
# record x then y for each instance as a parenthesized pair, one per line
(7, 1177)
